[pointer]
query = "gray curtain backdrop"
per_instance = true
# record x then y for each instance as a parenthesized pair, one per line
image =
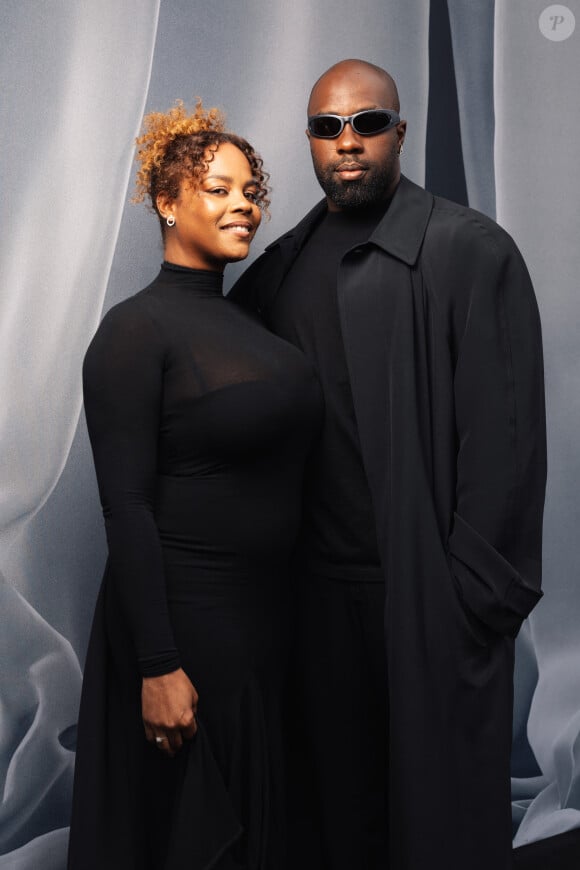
(76, 79)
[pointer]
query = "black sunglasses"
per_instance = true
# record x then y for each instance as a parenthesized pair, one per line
(366, 123)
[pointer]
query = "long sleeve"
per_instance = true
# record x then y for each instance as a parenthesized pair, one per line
(495, 543)
(123, 384)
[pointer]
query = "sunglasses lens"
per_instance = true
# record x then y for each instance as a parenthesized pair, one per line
(325, 126)
(368, 123)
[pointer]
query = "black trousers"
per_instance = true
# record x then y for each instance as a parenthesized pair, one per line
(339, 743)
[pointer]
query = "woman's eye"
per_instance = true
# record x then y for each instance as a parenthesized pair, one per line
(252, 195)
(218, 190)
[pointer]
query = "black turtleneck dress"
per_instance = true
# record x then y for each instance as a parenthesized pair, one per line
(200, 422)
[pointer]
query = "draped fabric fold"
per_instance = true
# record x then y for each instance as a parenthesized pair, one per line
(537, 189)
(204, 796)
(492, 589)
(37, 717)
(75, 77)
(472, 35)
(66, 139)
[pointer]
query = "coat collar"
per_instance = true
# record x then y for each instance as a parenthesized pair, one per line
(400, 233)
(402, 230)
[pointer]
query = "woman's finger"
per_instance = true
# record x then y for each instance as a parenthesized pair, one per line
(188, 723)
(174, 740)
(190, 730)
(162, 742)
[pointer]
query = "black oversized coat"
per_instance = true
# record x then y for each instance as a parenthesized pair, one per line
(443, 346)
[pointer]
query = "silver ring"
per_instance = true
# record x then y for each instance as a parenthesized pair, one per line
(159, 739)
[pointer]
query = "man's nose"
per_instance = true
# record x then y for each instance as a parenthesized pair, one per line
(349, 140)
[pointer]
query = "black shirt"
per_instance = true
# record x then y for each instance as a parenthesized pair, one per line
(339, 538)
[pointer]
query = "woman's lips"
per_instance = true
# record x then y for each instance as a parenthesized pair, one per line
(242, 229)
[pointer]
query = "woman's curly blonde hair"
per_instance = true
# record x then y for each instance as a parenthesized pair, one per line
(175, 145)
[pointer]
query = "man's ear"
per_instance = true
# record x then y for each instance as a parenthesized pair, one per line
(401, 132)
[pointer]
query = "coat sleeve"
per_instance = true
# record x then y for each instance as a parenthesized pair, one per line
(243, 292)
(123, 383)
(248, 289)
(256, 289)
(496, 538)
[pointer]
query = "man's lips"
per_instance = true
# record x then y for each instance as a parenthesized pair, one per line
(350, 171)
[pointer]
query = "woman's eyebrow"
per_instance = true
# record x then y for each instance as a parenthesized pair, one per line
(229, 179)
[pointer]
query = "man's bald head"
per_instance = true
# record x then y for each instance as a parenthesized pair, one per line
(354, 71)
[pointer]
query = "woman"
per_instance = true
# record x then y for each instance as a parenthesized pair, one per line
(199, 421)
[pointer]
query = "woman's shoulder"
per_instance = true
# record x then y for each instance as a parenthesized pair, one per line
(128, 328)
(139, 312)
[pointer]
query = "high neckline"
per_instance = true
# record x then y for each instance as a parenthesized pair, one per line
(201, 279)
(363, 216)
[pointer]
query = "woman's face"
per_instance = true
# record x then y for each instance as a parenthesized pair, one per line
(216, 220)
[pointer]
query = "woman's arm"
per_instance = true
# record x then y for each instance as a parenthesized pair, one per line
(123, 388)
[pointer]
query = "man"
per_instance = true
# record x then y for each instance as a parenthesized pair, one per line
(424, 500)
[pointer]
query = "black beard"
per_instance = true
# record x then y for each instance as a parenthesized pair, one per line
(360, 193)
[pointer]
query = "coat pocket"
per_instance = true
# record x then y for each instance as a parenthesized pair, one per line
(490, 587)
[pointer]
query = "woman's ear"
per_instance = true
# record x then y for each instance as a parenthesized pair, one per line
(164, 205)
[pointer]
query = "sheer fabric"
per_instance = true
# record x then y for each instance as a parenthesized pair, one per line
(66, 131)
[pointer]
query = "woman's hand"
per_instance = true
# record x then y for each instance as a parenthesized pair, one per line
(169, 705)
